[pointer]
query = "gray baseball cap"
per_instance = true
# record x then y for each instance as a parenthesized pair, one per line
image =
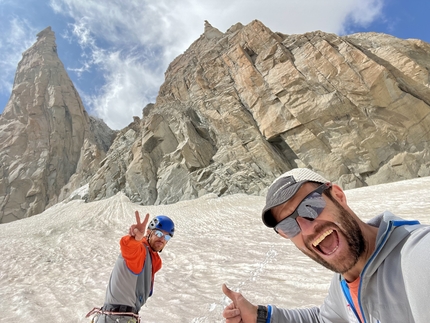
(284, 187)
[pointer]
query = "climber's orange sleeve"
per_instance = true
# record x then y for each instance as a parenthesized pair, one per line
(133, 252)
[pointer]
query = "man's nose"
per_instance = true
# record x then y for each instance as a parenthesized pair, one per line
(306, 225)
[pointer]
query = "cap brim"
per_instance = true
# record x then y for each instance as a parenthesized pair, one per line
(278, 195)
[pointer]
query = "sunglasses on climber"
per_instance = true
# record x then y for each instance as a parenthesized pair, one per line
(309, 208)
(160, 234)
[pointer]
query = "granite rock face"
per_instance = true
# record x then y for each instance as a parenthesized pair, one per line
(239, 108)
(45, 135)
(236, 110)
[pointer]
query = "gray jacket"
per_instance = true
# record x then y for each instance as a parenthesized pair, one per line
(394, 282)
(127, 288)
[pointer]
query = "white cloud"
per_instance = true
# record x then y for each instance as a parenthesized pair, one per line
(133, 41)
(129, 86)
(365, 12)
(11, 49)
(288, 16)
(83, 34)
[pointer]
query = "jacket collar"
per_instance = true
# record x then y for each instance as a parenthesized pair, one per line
(392, 230)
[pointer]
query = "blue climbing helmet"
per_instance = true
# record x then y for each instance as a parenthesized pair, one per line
(164, 223)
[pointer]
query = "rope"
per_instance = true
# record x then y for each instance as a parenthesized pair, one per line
(97, 310)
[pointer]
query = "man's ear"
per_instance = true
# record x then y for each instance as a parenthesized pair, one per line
(338, 193)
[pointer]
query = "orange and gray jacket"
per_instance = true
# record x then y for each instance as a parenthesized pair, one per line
(132, 278)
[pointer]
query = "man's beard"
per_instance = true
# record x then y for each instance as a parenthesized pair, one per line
(348, 227)
(152, 243)
(155, 247)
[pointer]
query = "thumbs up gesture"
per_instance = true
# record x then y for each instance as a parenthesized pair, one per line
(240, 310)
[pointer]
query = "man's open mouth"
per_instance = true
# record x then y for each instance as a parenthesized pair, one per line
(327, 243)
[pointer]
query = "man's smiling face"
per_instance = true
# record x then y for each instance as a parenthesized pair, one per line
(157, 243)
(334, 239)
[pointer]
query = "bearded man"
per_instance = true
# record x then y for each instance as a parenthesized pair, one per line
(381, 266)
(132, 279)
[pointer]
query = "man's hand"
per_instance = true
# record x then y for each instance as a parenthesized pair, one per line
(138, 230)
(240, 310)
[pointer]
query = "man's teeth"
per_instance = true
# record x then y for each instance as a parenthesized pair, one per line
(322, 237)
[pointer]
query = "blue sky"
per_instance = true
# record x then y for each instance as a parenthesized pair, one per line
(116, 52)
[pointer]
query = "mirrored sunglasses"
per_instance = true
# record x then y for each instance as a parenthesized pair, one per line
(160, 234)
(309, 208)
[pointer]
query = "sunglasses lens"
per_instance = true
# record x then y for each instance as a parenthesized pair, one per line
(288, 227)
(160, 234)
(310, 208)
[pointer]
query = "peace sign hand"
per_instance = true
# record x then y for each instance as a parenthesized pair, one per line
(138, 230)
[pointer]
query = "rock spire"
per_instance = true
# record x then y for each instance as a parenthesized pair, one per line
(43, 131)
(236, 110)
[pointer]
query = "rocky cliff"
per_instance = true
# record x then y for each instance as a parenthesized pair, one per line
(239, 108)
(46, 135)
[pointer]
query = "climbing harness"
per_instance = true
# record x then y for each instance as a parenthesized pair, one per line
(96, 311)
